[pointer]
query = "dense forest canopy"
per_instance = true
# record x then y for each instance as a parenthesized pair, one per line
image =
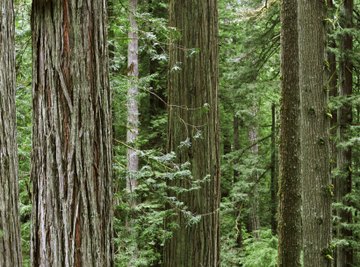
(180, 133)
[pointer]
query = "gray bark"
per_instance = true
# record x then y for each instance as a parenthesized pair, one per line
(316, 194)
(132, 99)
(10, 242)
(254, 199)
(132, 120)
(71, 156)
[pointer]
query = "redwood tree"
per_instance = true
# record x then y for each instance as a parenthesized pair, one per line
(193, 130)
(10, 243)
(71, 157)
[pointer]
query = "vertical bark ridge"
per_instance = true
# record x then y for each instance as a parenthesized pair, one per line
(10, 242)
(193, 116)
(71, 159)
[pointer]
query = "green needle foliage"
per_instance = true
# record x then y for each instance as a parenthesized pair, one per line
(249, 49)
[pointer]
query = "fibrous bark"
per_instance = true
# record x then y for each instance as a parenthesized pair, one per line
(10, 242)
(72, 135)
(193, 118)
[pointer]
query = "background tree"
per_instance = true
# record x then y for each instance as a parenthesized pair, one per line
(343, 184)
(274, 173)
(132, 115)
(72, 136)
(193, 131)
(254, 222)
(133, 95)
(317, 189)
(290, 180)
(248, 74)
(10, 242)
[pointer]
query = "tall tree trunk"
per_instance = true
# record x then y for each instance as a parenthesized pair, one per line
(72, 135)
(157, 97)
(132, 100)
(132, 120)
(289, 227)
(236, 137)
(333, 92)
(274, 180)
(254, 199)
(238, 206)
(10, 242)
(332, 83)
(193, 117)
(343, 184)
(316, 195)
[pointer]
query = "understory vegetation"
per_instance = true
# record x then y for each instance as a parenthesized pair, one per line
(249, 107)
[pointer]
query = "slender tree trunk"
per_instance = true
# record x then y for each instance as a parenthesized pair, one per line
(333, 86)
(274, 180)
(132, 100)
(132, 121)
(254, 199)
(290, 180)
(343, 184)
(10, 242)
(333, 92)
(236, 136)
(72, 135)
(238, 207)
(317, 188)
(157, 98)
(193, 117)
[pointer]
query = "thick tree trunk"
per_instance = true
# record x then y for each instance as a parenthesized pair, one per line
(10, 242)
(343, 184)
(290, 181)
(317, 188)
(72, 135)
(132, 100)
(193, 117)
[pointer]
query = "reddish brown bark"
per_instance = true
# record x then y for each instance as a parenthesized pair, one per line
(71, 157)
